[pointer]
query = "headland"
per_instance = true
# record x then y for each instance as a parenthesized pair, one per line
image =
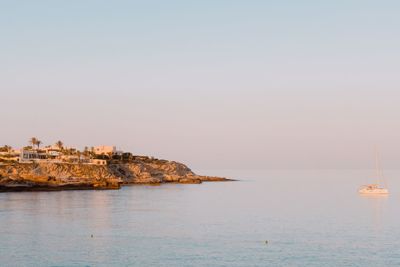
(59, 168)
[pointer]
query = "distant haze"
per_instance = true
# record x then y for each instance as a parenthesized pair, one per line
(214, 84)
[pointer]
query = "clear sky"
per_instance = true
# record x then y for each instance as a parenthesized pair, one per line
(213, 83)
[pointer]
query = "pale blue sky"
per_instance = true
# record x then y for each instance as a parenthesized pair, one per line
(215, 84)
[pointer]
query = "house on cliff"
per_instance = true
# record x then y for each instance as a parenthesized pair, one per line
(98, 162)
(107, 150)
(32, 155)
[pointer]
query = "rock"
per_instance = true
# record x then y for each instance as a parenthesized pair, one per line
(153, 171)
(189, 181)
(56, 176)
(64, 176)
(214, 179)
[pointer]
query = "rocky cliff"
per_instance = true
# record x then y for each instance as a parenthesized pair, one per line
(63, 176)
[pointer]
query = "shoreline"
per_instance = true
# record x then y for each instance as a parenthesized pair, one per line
(45, 176)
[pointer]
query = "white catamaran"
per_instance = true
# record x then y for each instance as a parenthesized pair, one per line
(375, 189)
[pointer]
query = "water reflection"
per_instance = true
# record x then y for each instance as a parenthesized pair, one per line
(376, 204)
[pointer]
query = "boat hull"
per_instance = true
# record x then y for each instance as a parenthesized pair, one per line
(376, 191)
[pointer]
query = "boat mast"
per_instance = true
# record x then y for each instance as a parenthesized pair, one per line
(378, 174)
(379, 170)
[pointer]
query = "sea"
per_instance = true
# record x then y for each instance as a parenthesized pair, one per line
(266, 218)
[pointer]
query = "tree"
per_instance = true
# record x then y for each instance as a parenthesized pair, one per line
(79, 153)
(33, 141)
(92, 153)
(38, 143)
(7, 148)
(86, 152)
(60, 145)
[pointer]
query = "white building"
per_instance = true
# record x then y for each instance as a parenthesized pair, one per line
(30, 155)
(106, 150)
(52, 148)
(98, 162)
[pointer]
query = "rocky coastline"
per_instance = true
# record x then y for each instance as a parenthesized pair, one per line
(50, 176)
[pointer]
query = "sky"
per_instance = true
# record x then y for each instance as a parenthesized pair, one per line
(215, 84)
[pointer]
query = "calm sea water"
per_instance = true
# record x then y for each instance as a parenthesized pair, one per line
(310, 218)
